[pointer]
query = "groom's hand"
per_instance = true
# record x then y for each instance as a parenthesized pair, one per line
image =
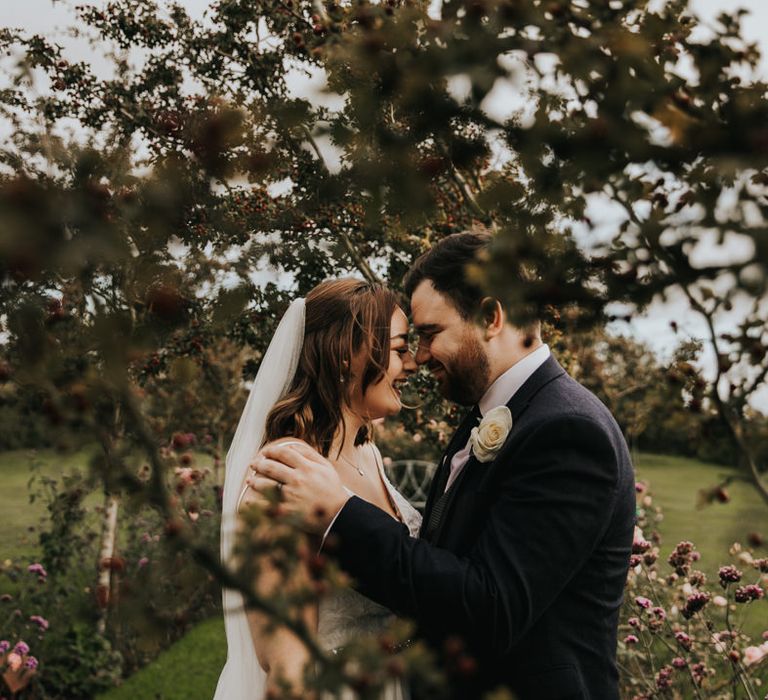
(310, 487)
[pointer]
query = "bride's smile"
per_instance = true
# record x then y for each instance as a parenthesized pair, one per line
(382, 398)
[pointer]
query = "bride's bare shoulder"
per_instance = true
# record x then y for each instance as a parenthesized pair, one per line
(296, 444)
(287, 440)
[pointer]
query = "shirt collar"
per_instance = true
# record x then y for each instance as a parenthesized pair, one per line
(506, 385)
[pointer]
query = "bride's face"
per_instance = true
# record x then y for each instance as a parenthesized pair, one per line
(383, 398)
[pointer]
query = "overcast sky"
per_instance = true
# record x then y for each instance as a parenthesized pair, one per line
(48, 17)
(52, 18)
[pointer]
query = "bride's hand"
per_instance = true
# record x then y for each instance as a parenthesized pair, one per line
(310, 485)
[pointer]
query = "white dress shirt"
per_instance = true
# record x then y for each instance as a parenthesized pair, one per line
(499, 393)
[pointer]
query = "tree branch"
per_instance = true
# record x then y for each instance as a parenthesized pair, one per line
(734, 430)
(159, 497)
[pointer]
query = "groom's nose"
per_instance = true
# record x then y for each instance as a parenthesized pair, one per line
(422, 354)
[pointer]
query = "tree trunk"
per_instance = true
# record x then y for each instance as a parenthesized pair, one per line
(106, 558)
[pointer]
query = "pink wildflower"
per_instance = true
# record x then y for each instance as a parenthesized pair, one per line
(699, 672)
(41, 622)
(185, 474)
(650, 557)
(721, 641)
(38, 569)
(683, 640)
(664, 678)
(728, 575)
(631, 639)
(181, 441)
(695, 602)
(761, 565)
(682, 556)
(745, 594)
(643, 602)
(753, 655)
(639, 543)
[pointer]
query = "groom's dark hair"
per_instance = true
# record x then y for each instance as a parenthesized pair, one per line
(445, 265)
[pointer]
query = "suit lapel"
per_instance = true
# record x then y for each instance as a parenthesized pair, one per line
(548, 371)
(458, 441)
(522, 398)
(451, 497)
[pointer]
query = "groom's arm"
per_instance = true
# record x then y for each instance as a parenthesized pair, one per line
(553, 507)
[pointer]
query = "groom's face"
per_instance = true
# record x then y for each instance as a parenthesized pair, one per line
(450, 346)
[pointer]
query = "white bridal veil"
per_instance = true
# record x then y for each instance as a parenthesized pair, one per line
(242, 677)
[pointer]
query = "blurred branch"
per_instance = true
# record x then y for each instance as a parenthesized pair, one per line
(466, 191)
(731, 423)
(159, 497)
(360, 262)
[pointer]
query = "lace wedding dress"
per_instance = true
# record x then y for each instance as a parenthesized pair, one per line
(346, 614)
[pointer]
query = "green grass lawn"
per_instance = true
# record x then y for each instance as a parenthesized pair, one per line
(19, 516)
(187, 671)
(675, 482)
(190, 668)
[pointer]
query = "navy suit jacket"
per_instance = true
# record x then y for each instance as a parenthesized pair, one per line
(529, 563)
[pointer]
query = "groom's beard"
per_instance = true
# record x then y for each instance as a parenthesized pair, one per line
(466, 377)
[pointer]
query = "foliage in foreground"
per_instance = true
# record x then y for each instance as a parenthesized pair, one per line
(142, 256)
(54, 606)
(682, 635)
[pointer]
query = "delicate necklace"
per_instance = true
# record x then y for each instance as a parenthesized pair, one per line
(353, 465)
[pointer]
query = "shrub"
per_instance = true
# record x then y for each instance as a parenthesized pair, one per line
(156, 593)
(681, 634)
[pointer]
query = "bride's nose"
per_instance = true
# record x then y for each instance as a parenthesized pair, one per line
(409, 363)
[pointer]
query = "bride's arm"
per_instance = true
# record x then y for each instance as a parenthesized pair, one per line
(281, 654)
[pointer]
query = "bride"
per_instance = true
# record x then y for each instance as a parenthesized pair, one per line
(334, 365)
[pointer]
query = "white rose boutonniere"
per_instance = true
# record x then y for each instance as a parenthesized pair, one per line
(488, 437)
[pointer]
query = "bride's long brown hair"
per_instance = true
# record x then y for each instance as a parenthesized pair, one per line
(342, 318)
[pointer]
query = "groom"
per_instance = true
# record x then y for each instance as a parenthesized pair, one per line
(527, 531)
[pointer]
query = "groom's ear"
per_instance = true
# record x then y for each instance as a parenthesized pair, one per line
(492, 316)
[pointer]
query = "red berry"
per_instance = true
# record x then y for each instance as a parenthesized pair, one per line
(466, 665)
(722, 494)
(453, 646)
